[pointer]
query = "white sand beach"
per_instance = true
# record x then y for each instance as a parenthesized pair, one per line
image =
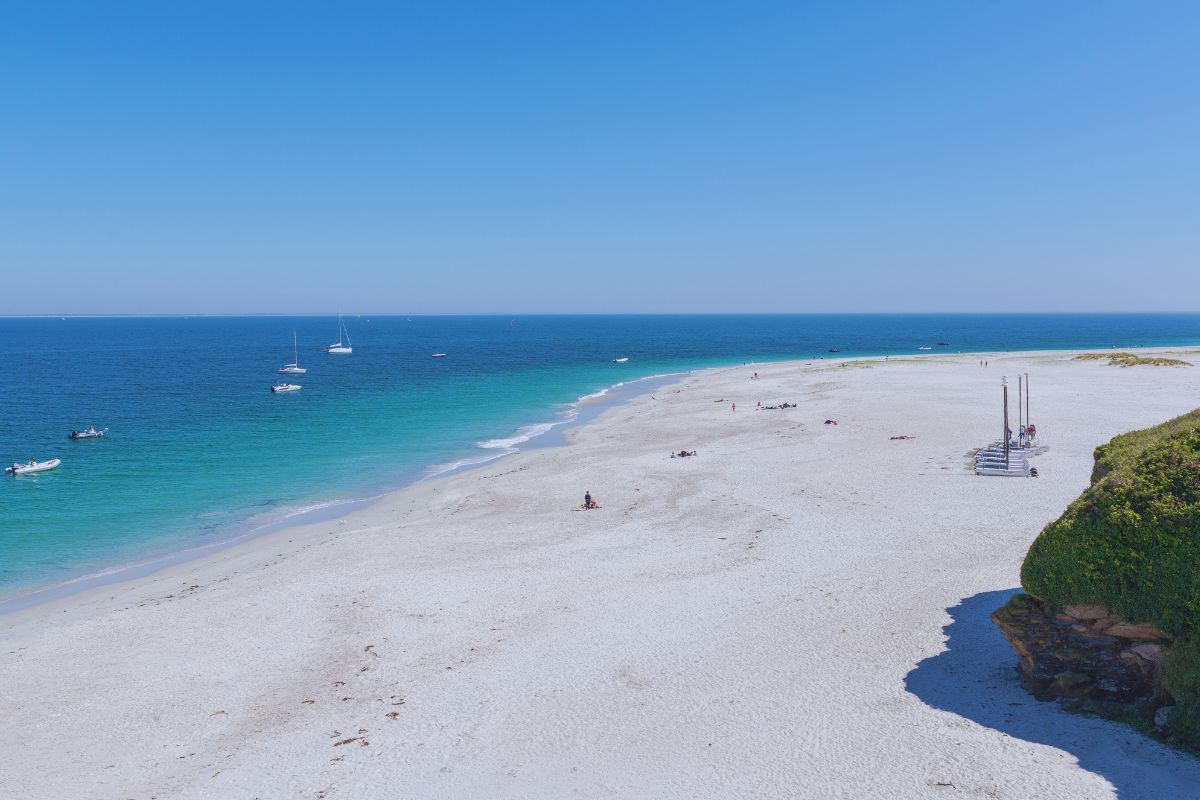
(800, 610)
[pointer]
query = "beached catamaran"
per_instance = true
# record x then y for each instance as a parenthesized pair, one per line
(343, 335)
(293, 368)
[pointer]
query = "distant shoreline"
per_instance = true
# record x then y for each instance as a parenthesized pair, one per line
(520, 314)
(588, 408)
(373, 460)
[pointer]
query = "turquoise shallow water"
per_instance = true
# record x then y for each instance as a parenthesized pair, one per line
(199, 450)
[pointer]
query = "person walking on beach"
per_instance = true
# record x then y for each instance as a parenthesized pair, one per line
(733, 406)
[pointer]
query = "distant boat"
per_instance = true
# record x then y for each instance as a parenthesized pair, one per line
(293, 368)
(90, 433)
(281, 388)
(943, 344)
(32, 466)
(833, 350)
(924, 348)
(621, 360)
(438, 355)
(337, 347)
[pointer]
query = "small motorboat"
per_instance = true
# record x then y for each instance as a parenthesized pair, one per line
(32, 466)
(280, 388)
(943, 344)
(621, 360)
(438, 355)
(90, 433)
(833, 350)
(924, 348)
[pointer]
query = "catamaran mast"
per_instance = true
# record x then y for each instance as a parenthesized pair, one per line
(1004, 383)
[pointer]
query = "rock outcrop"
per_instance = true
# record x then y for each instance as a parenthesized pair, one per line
(1084, 652)
(1112, 578)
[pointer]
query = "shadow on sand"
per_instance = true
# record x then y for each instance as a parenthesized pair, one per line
(974, 678)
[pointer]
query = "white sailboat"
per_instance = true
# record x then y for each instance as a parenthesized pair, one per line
(293, 368)
(337, 347)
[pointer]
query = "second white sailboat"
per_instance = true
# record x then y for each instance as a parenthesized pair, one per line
(337, 347)
(293, 368)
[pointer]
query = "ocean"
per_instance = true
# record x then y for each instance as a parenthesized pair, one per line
(199, 451)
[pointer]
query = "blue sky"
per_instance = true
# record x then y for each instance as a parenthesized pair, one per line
(599, 157)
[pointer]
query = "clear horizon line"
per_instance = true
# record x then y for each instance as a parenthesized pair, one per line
(500, 314)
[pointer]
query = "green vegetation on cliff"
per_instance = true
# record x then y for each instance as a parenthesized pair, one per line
(1131, 543)
(1181, 679)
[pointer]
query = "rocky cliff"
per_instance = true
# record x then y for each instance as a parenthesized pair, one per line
(1083, 652)
(1112, 614)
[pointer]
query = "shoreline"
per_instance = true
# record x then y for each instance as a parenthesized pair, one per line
(586, 408)
(702, 635)
(581, 411)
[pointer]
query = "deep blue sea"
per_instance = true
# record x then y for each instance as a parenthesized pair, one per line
(199, 450)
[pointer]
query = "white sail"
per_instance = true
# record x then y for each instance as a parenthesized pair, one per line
(343, 334)
(293, 368)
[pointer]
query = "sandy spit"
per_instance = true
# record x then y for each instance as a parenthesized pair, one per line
(800, 610)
